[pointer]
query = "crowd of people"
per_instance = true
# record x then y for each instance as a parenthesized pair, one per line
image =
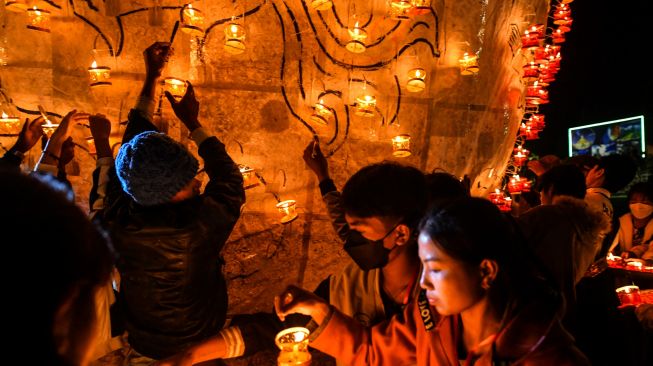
(435, 276)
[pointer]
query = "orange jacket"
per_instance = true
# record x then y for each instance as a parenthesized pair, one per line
(533, 336)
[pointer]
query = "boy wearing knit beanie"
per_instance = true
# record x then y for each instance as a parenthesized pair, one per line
(167, 233)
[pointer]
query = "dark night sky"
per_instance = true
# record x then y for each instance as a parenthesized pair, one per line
(606, 71)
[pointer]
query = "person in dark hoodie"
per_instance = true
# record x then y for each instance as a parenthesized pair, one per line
(492, 307)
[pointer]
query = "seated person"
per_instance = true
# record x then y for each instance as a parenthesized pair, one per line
(492, 308)
(636, 227)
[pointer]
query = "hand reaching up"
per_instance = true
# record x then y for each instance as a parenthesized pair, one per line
(29, 135)
(316, 161)
(294, 300)
(156, 56)
(187, 109)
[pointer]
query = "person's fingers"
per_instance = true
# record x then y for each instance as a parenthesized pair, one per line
(278, 310)
(189, 88)
(38, 121)
(171, 99)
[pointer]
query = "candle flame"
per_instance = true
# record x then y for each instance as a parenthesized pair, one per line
(234, 28)
(191, 12)
(299, 336)
(94, 65)
(417, 73)
(4, 115)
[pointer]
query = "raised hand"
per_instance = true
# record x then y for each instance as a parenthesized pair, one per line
(156, 56)
(67, 153)
(294, 300)
(187, 109)
(29, 135)
(101, 130)
(316, 161)
(61, 134)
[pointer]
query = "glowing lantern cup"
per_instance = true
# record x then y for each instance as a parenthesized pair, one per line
(49, 127)
(357, 42)
(234, 42)
(250, 180)
(421, 6)
(365, 105)
(16, 6)
(321, 113)
(321, 4)
(293, 343)
(38, 19)
(99, 75)
(416, 82)
(288, 209)
(468, 64)
(192, 21)
(175, 86)
(399, 9)
(90, 142)
(629, 295)
(6, 118)
(401, 146)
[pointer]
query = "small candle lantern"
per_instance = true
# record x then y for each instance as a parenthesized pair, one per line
(357, 42)
(9, 118)
(99, 75)
(565, 24)
(507, 205)
(192, 20)
(531, 71)
(174, 86)
(234, 42)
(321, 113)
(562, 11)
(38, 19)
(49, 126)
(250, 180)
(468, 64)
(558, 36)
(496, 197)
(401, 146)
(321, 5)
(536, 94)
(520, 156)
(629, 295)
(365, 105)
(16, 6)
(528, 132)
(515, 185)
(399, 9)
(287, 208)
(416, 81)
(420, 6)
(90, 142)
(293, 343)
(6, 118)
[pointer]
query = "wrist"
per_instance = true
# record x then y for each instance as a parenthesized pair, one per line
(321, 312)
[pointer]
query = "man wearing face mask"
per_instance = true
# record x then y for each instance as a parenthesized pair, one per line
(376, 216)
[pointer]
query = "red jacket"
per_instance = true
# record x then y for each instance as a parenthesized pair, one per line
(533, 336)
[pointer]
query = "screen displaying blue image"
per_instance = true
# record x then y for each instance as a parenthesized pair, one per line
(622, 136)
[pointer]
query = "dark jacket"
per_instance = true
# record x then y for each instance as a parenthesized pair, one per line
(172, 290)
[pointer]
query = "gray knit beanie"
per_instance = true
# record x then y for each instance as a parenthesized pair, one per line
(153, 167)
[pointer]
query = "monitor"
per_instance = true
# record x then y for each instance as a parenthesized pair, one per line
(621, 136)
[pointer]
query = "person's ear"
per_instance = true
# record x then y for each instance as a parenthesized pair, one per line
(489, 269)
(403, 233)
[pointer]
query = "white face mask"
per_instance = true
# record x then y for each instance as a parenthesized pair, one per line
(641, 210)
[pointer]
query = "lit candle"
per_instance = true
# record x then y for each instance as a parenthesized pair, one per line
(293, 345)
(399, 9)
(321, 5)
(174, 86)
(90, 142)
(420, 6)
(629, 295)
(558, 36)
(321, 113)
(6, 118)
(416, 81)
(531, 71)
(234, 38)
(365, 105)
(38, 19)
(49, 127)
(99, 75)
(288, 209)
(519, 158)
(525, 185)
(515, 185)
(536, 94)
(357, 42)
(250, 180)
(401, 146)
(192, 21)
(468, 64)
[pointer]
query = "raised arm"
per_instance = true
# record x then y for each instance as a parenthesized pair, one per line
(29, 135)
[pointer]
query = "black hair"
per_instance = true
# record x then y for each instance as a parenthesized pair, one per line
(62, 258)
(565, 179)
(645, 188)
(386, 190)
(532, 198)
(442, 186)
(472, 229)
(619, 170)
